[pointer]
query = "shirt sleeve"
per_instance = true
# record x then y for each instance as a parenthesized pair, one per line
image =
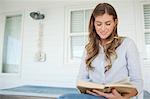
(83, 71)
(134, 66)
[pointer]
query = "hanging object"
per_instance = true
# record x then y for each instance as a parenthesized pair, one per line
(37, 15)
(39, 55)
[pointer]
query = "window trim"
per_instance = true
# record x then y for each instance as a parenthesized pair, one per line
(144, 30)
(67, 53)
(2, 30)
(145, 56)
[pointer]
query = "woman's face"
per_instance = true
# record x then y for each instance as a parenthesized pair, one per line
(104, 25)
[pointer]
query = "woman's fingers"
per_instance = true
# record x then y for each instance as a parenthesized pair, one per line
(90, 92)
(115, 92)
(101, 93)
(113, 95)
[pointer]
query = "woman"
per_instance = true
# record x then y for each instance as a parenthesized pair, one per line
(108, 58)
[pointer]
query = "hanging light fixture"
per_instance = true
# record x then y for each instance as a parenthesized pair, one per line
(37, 15)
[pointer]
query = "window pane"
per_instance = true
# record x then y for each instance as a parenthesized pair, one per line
(77, 46)
(77, 21)
(147, 23)
(11, 45)
(147, 16)
(87, 18)
(147, 38)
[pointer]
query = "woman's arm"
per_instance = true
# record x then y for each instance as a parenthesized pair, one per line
(83, 72)
(134, 66)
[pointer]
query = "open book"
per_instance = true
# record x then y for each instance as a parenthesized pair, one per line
(123, 87)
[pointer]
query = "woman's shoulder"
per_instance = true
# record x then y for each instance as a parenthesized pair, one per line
(127, 41)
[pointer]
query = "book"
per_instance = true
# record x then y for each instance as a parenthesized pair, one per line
(123, 87)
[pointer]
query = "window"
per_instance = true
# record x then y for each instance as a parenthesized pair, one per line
(147, 23)
(146, 10)
(11, 46)
(77, 33)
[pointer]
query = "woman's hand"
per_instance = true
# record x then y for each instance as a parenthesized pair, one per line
(113, 95)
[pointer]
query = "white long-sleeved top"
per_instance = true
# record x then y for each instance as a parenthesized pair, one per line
(126, 65)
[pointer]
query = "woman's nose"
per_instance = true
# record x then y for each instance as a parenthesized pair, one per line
(103, 27)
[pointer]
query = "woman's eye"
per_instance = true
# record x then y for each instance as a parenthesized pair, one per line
(98, 24)
(108, 24)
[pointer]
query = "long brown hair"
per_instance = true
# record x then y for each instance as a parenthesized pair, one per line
(113, 40)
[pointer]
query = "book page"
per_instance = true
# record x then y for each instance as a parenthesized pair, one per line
(123, 83)
(90, 85)
(124, 86)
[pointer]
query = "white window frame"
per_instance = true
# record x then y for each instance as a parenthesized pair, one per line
(146, 56)
(2, 31)
(67, 37)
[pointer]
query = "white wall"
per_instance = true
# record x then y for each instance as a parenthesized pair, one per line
(54, 72)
